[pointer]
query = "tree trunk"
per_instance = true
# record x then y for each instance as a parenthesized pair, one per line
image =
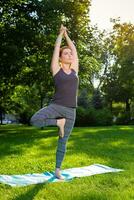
(111, 106)
(0, 116)
(127, 106)
(128, 109)
(41, 101)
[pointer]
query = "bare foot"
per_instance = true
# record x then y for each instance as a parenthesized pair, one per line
(58, 174)
(61, 124)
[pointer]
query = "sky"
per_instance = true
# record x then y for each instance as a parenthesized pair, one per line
(102, 10)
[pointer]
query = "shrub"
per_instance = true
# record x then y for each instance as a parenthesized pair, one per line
(103, 117)
(93, 117)
(123, 118)
(81, 117)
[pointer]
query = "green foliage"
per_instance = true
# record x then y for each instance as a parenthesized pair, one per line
(93, 117)
(97, 100)
(117, 108)
(89, 48)
(25, 102)
(118, 80)
(123, 118)
(84, 117)
(84, 98)
(124, 48)
(103, 117)
(28, 30)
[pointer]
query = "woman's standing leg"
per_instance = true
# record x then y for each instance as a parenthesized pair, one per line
(61, 149)
(62, 142)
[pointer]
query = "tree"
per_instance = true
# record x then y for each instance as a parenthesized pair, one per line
(97, 100)
(84, 98)
(28, 30)
(124, 48)
(118, 81)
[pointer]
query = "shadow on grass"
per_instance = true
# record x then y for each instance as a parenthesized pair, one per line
(14, 138)
(112, 144)
(30, 193)
(91, 196)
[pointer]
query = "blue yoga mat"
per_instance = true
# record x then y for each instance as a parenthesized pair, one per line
(48, 177)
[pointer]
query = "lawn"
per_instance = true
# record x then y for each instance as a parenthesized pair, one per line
(26, 149)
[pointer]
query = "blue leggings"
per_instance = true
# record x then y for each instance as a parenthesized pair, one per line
(48, 116)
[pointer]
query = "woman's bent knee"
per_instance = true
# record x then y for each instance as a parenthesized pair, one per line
(36, 121)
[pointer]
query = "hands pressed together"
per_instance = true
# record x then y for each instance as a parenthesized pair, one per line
(63, 30)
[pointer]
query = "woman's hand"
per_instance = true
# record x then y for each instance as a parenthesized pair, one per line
(63, 30)
(65, 33)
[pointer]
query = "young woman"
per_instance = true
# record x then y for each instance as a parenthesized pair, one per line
(61, 111)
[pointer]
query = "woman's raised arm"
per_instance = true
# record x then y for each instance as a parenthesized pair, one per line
(75, 63)
(55, 58)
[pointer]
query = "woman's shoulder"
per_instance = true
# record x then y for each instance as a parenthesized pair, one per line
(56, 71)
(76, 72)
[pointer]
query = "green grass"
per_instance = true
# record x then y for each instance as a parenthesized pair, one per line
(28, 150)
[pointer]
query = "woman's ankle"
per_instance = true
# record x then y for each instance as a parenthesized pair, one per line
(57, 169)
(58, 174)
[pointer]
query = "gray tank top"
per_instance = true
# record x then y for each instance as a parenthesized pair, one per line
(66, 88)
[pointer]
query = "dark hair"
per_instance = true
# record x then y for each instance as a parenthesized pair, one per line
(62, 49)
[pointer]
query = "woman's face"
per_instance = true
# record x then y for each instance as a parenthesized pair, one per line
(66, 56)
